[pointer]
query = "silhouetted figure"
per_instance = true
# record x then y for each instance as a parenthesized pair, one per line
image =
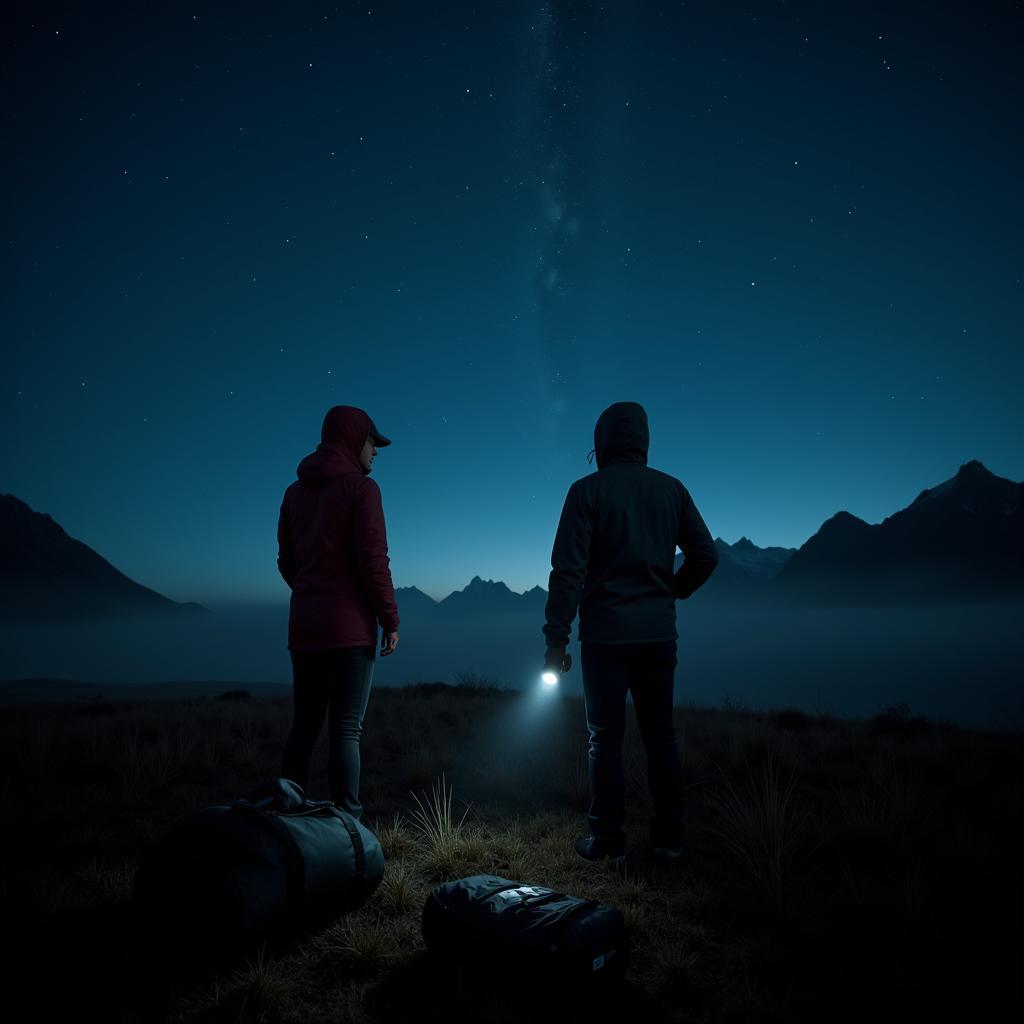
(333, 553)
(613, 561)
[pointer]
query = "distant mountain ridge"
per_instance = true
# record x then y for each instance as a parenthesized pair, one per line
(748, 558)
(743, 569)
(479, 597)
(961, 540)
(413, 599)
(45, 575)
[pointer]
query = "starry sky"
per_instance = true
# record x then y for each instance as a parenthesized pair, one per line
(791, 230)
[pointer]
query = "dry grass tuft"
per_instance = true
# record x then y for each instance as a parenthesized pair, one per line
(466, 852)
(888, 805)
(399, 893)
(692, 901)
(366, 944)
(677, 970)
(761, 829)
(510, 854)
(260, 990)
(360, 945)
(395, 838)
(635, 919)
(630, 888)
(434, 816)
(352, 1006)
(110, 882)
(451, 848)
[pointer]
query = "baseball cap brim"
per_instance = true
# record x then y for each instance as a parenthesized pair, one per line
(378, 438)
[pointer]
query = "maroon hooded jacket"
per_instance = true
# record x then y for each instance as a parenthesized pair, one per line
(332, 545)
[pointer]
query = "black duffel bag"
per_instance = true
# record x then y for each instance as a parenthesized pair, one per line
(236, 873)
(505, 922)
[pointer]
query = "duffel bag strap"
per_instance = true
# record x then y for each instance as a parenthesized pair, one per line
(358, 849)
(529, 902)
(504, 887)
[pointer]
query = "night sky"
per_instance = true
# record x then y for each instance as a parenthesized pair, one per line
(791, 230)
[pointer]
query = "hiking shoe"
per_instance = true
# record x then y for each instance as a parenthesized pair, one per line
(592, 848)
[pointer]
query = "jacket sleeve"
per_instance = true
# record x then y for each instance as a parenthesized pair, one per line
(569, 557)
(285, 550)
(698, 547)
(372, 560)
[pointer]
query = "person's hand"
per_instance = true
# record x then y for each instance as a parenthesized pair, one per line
(558, 659)
(388, 643)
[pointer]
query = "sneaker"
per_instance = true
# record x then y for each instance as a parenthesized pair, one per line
(592, 848)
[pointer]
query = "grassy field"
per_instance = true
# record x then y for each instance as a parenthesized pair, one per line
(834, 869)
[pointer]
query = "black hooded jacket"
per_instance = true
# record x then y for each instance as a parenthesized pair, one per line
(614, 550)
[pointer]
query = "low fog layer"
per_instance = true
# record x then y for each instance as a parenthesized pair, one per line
(957, 662)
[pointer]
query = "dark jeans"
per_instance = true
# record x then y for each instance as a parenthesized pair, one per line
(647, 671)
(337, 680)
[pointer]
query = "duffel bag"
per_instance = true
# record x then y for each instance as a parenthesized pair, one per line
(506, 922)
(235, 873)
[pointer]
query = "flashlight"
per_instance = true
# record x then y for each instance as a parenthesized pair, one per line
(556, 663)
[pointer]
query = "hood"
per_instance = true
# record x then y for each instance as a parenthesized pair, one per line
(621, 435)
(342, 437)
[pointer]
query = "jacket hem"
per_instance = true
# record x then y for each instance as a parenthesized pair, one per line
(631, 640)
(333, 647)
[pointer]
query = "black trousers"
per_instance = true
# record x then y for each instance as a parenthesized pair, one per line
(647, 671)
(336, 681)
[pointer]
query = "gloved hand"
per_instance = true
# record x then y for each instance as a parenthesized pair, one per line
(557, 659)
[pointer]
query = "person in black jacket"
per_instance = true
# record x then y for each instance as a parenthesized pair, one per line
(613, 561)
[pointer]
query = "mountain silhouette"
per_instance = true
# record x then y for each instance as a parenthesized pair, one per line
(962, 540)
(535, 598)
(412, 599)
(480, 597)
(746, 559)
(743, 569)
(483, 597)
(47, 576)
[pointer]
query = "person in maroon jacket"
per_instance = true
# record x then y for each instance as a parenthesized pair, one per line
(333, 553)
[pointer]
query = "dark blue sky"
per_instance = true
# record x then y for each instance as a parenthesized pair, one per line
(791, 230)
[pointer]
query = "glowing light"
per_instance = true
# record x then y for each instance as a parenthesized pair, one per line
(551, 678)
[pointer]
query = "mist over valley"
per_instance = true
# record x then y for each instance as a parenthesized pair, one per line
(922, 609)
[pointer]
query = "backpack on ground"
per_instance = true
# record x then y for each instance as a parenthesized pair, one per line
(236, 873)
(510, 924)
